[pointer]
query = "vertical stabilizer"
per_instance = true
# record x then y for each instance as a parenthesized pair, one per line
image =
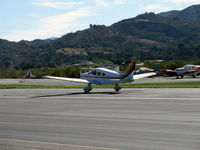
(130, 70)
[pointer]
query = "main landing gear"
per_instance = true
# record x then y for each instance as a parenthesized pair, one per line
(194, 75)
(117, 87)
(177, 77)
(88, 88)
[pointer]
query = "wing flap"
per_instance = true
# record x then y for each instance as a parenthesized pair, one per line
(143, 75)
(67, 79)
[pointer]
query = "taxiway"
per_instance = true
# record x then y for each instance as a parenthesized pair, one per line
(142, 119)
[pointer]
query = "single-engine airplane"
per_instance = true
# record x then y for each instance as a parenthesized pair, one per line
(190, 70)
(106, 76)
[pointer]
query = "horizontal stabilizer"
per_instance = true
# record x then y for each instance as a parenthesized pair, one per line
(143, 75)
(67, 79)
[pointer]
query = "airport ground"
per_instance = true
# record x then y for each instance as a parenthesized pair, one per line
(58, 82)
(134, 119)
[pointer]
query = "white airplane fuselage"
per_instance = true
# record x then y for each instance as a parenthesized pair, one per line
(189, 70)
(105, 76)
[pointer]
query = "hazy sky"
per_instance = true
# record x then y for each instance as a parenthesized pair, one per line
(40, 19)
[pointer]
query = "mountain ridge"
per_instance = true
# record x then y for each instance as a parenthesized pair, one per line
(191, 13)
(146, 36)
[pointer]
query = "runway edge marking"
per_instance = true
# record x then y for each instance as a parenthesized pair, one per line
(13, 144)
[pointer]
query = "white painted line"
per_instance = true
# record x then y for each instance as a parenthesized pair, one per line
(124, 98)
(13, 144)
(13, 97)
(87, 97)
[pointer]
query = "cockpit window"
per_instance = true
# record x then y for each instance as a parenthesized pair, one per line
(186, 67)
(99, 73)
(93, 72)
(103, 74)
(189, 67)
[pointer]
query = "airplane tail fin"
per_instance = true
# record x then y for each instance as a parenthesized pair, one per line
(128, 74)
(157, 67)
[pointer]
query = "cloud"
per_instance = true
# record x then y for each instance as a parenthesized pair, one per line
(102, 3)
(106, 3)
(52, 26)
(35, 15)
(180, 2)
(57, 5)
(119, 2)
(155, 8)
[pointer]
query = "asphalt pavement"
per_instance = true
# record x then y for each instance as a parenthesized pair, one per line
(58, 82)
(134, 119)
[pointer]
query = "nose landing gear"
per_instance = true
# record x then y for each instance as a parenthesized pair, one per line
(117, 87)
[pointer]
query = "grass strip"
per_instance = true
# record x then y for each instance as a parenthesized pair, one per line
(17, 86)
(187, 84)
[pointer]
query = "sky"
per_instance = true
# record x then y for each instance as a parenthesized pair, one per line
(42, 19)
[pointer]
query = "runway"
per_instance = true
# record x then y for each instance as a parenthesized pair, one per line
(134, 119)
(58, 82)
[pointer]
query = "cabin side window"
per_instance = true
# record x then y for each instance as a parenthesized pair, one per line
(103, 74)
(98, 73)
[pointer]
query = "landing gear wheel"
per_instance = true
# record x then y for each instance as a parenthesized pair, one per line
(117, 88)
(87, 89)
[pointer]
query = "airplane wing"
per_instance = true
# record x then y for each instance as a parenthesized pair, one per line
(143, 75)
(67, 79)
(168, 72)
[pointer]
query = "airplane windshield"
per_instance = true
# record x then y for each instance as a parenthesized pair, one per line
(188, 67)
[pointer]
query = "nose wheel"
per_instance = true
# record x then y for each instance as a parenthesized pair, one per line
(88, 88)
(117, 88)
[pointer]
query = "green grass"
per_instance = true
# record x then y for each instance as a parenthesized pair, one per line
(188, 84)
(191, 84)
(16, 86)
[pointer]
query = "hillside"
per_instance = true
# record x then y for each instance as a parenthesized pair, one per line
(22, 55)
(147, 36)
(191, 13)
